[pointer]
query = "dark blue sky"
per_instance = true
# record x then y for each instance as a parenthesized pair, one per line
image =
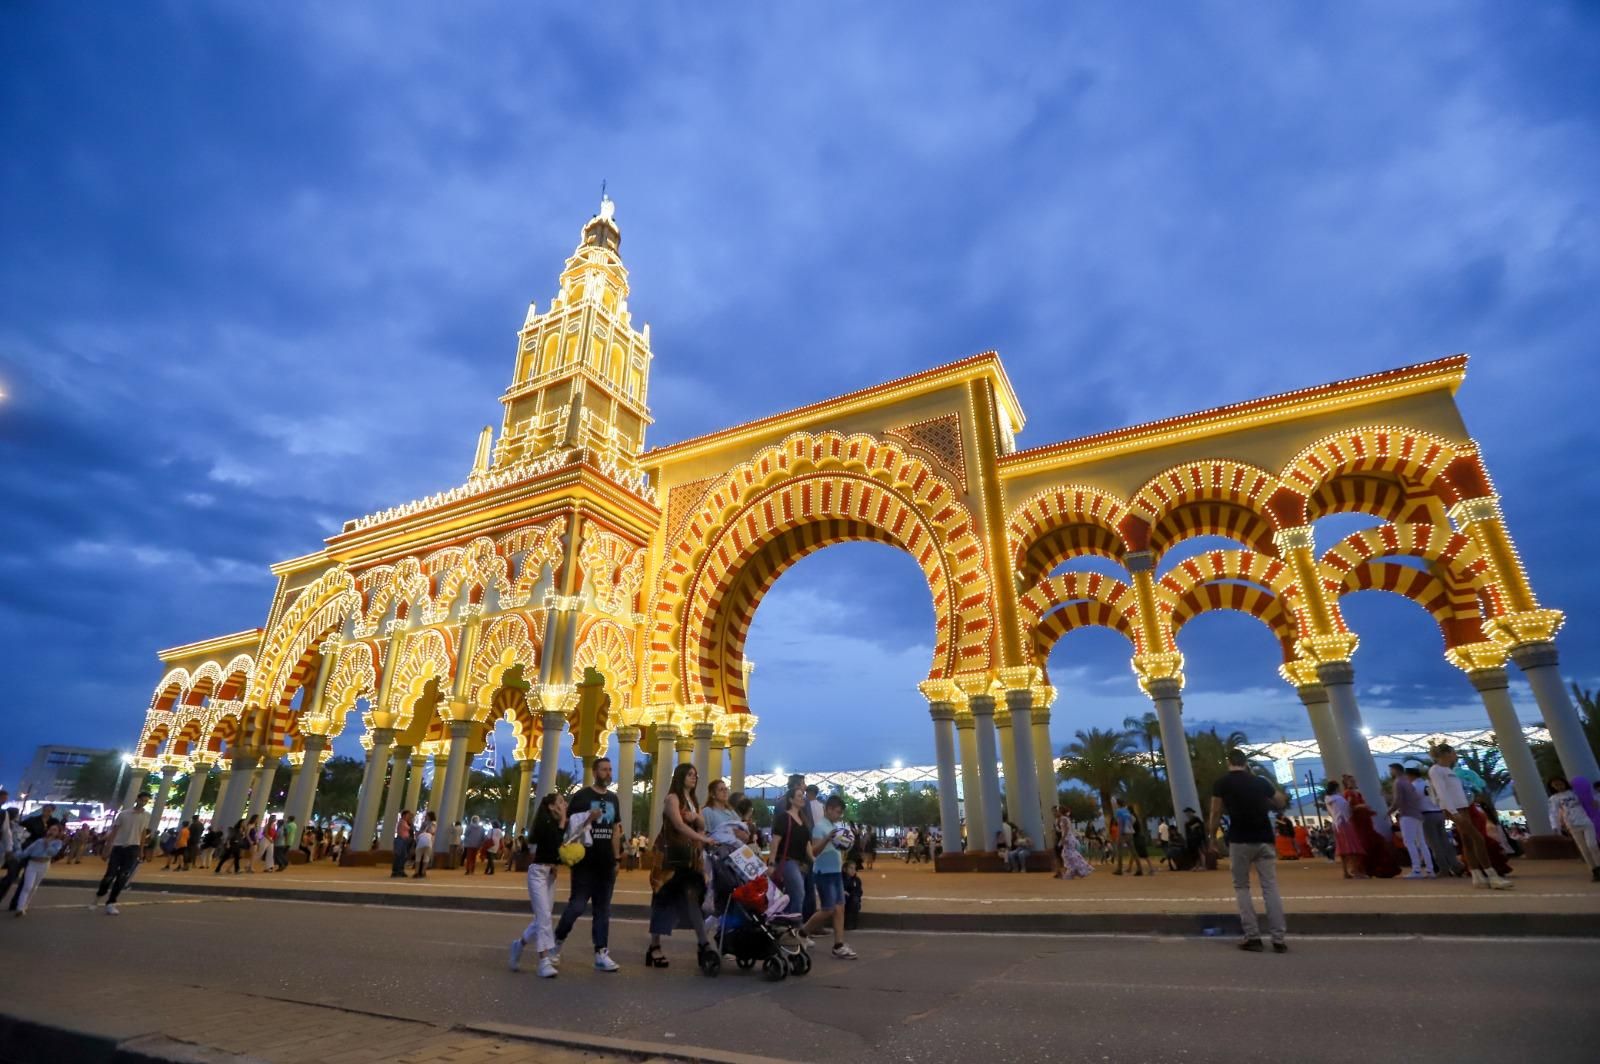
(261, 270)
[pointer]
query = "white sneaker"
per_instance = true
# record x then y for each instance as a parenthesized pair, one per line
(516, 953)
(554, 957)
(1498, 882)
(1479, 879)
(112, 910)
(603, 961)
(94, 905)
(844, 952)
(1414, 874)
(547, 970)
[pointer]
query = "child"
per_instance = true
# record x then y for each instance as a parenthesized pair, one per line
(37, 856)
(852, 896)
(424, 848)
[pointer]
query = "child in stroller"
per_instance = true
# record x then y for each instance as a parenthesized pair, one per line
(751, 926)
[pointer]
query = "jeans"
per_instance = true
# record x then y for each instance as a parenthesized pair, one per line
(792, 881)
(594, 883)
(541, 881)
(14, 870)
(808, 907)
(402, 850)
(1264, 856)
(1444, 854)
(119, 869)
(1017, 859)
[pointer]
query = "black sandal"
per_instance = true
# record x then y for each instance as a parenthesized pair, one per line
(653, 958)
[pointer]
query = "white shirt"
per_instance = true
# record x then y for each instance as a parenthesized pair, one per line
(1447, 788)
(128, 828)
(1428, 804)
(1566, 811)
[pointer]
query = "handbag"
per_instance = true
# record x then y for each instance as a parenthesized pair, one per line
(570, 853)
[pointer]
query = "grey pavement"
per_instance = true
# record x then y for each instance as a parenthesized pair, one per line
(912, 996)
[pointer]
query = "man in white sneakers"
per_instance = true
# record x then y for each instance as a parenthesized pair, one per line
(1407, 805)
(1451, 795)
(124, 842)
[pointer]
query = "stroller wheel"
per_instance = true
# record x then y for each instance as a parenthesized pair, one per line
(800, 963)
(710, 962)
(775, 969)
(746, 963)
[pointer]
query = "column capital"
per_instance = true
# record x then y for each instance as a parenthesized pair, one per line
(1301, 537)
(668, 732)
(703, 730)
(419, 758)
(627, 733)
(965, 722)
(1312, 694)
(981, 705)
(1021, 679)
(1139, 561)
(942, 711)
(1336, 672)
(1019, 700)
(460, 729)
(1472, 657)
(1535, 655)
(1166, 665)
(1165, 687)
(1331, 647)
(1041, 715)
(942, 691)
(739, 738)
(1494, 679)
(552, 720)
(1525, 626)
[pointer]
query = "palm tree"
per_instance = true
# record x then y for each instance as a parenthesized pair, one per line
(1101, 760)
(1148, 728)
(1209, 753)
(1544, 753)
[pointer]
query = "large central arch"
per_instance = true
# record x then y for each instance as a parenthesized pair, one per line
(790, 501)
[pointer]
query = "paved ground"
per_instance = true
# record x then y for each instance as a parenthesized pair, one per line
(896, 888)
(912, 997)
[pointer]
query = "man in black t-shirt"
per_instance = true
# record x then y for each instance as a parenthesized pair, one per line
(595, 877)
(1250, 800)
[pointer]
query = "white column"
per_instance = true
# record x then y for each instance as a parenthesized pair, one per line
(1494, 686)
(1025, 793)
(419, 764)
(1165, 693)
(627, 767)
(1339, 679)
(738, 746)
(702, 733)
(719, 759)
(1008, 764)
(455, 774)
(982, 707)
(1314, 697)
(196, 786)
(971, 786)
(1044, 757)
(158, 804)
(400, 764)
(224, 785)
(944, 747)
(525, 774)
(230, 808)
(555, 723)
(261, 787)
(371, 794)
(1540, 663)
(666, 741)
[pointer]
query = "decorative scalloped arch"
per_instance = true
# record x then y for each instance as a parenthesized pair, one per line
(1419, 460)
(188, 729)
(507, 642)
(479, 566)
(1062, 523)
(1212, 497)
(427, 655)
(354, 677)
(225, 729)
(1455, 613)
(154, 735)
(605, 646)
(385, 585)
(1450, 555)
(202, 683)
(810, 478)
(169, 690)
(235, 678)
(320, 609)
(1060, 604)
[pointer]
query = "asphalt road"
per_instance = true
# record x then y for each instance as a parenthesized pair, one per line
(911, 996)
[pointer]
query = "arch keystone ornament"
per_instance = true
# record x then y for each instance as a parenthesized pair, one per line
(569, 549)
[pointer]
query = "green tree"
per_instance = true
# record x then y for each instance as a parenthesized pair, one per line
(492, 795)
(1079, 804)
(1148, 794)
(100, 779)
(1209, 751)
(1100, 759)
(339, 788)
(1544, 753)
(1147, 729)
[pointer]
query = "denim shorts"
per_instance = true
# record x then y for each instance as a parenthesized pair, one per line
(830, 889)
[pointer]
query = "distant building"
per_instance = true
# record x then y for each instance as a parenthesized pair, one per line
(52, 771)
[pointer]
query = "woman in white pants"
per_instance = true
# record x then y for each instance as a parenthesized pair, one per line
(549, 829)
(1567, 813)
(36, 858)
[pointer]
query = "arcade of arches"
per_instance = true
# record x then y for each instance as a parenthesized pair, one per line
(594, 592)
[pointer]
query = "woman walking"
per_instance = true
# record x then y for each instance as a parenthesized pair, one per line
(679, 886)
(549, 828)
(1073, 865)
(1347, 843)
(791, 846)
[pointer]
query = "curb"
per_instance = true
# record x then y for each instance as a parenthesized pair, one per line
(1519, 924)
(619, 1046)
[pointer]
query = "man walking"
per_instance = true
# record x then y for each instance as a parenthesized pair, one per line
(123, 843)
(1124, 819)
(471, 843)
(595, 876)
(1249, 801)
(1406, 804)
(1451, 795)
(1445, 862)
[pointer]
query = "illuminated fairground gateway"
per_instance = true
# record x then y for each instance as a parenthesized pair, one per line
(593, 592)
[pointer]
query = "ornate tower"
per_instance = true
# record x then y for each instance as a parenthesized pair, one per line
(582, 369)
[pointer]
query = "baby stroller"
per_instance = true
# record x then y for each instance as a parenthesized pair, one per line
(750, 926)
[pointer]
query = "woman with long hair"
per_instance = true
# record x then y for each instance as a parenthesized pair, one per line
(1378, 860)
(549, 829)
(791, 845)
(679, 885)
(1347, 843)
